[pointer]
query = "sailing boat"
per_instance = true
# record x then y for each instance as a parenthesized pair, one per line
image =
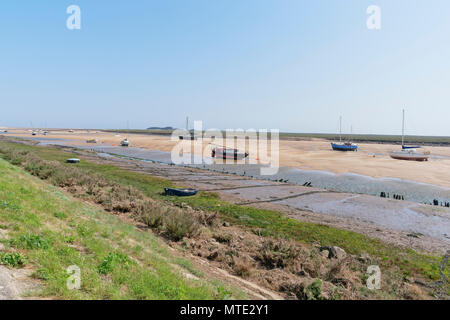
(189, 136)
(409, 152)
(346, 146)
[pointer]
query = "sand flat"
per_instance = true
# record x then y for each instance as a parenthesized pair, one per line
(371, 160)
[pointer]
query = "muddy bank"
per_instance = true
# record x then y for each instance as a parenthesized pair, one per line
(344, 182)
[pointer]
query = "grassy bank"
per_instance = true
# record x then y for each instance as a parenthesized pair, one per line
(48, 232)
(264, 222)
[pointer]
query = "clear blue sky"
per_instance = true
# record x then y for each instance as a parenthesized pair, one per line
(289, 64)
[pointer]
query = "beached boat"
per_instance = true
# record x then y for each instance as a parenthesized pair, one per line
(346, 146)
(125, 142)
(91, 141)
(228, 153)
(188, 137)
(409, 152)
(180, 192)
(73, 160)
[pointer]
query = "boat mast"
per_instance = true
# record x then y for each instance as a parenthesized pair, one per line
(403, 128)
(340, 129)
(187, 123)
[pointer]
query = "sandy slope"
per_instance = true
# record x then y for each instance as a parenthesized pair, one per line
(372, 159)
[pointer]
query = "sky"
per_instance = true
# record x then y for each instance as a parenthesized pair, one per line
(291, 65)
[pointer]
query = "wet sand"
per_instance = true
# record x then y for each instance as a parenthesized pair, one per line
(371, 160)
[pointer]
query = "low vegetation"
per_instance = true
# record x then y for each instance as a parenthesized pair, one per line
(47, 231)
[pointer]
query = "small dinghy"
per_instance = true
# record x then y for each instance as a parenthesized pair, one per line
(180, 192)
(227, 153)
(73, 160)
(125, 142)
(410, 154)
(343, 146)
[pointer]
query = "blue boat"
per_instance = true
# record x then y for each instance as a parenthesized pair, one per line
(347, 146)
(343, 146)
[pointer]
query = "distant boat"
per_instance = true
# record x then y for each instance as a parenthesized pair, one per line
(189, 136)
(91, 141)
(228, 153)
(408, 152)
(125, 142)
(180, 192)
(346, 146)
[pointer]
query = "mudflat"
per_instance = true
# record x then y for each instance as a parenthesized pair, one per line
(372, 159)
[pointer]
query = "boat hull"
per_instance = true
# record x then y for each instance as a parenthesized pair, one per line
(180, 192)
(232, 154)
(409, 157)
(343, 147)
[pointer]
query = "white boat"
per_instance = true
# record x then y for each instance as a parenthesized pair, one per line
(409, 153)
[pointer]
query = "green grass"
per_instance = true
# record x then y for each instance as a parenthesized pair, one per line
(265, 222)
(51, 232)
